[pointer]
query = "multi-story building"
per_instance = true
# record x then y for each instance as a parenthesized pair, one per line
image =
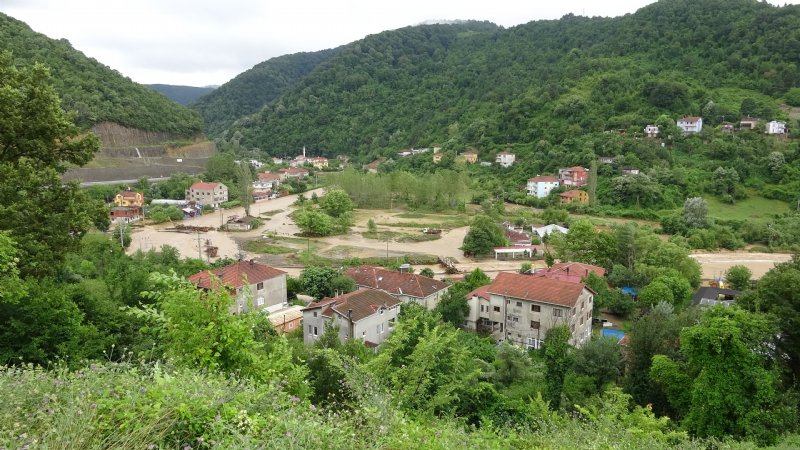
(775, 127)
(207, 194)
(574, 196)
(293, 172)
(520, 309)
(575, 176)
(253, 285)
(368, 315)
(540, 186)
(266, 181)
(651, 131)
(505, 159)
(690, 124)
(404, 286)
(128, 207)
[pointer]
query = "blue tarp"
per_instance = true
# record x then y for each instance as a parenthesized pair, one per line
(618, 334)
(630, 291)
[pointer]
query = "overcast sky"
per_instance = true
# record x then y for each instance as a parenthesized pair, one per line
(205, 42)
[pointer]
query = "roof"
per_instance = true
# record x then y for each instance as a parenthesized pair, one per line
(709, 295)
(690, 119)
(570, 194)
(578, 268)
(536, 289)
(547, 229)
(374, 164)
(575, 169)
(285, 315)
(516, 236)
(235, 275)
(481, 292)
(129, 194)
(506, 153)
(202, 186)
(394, 282)
(361, 304)
(544, 178)
(294, 170)
(268, 176)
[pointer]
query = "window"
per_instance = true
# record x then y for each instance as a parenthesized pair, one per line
(315, 314)
(534, 343)
(481, 308)
(260, 286)
(315, 331)
(291, 325)
(515, 319)
(558, 313)
(519, 304)
(379, 328)
(534, 324)
(260, 301)
(496, 309)
(363, 334)
(380, 312)
(536, 308)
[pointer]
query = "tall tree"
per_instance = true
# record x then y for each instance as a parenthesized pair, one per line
(38, 140)
(559, 357)
(483, 235)
(244, 183)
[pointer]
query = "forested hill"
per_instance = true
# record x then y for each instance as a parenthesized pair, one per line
(254, 88)
(184, 95)
(95, 92)
(478, 84)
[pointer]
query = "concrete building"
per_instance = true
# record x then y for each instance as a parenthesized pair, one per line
(690, 124)
(207, 193)
(505, 159)
(775, 127)
(575, 176)
(574, 196)
(540, 186)
(651, 131)
(253, 285)
(406, 287)
(521, 308)
(284, 317)
(369, 315)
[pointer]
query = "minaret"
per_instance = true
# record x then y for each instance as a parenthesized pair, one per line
(304, 152)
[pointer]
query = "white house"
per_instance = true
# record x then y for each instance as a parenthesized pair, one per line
(651, 131)
(505, 159)
(521, 308)
(775, 127)
(368, 315)
(690, 124)
(541, 185)
(266, 181)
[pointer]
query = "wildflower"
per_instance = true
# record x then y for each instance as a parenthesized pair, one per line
(289, 434)
(295, 399)
(313, 408)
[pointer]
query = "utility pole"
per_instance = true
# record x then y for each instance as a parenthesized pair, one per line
(199, 248)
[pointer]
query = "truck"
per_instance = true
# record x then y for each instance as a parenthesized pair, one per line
(432, 230)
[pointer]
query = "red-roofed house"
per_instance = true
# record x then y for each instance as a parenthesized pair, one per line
(690, 124)
(406, 287)
(207, 193)
(253, 284)
(127, 207)
(368, 315)
(293, 172)
(540, 186)
(575, 176)
(521, 308)
(266, 181)
(574, 196)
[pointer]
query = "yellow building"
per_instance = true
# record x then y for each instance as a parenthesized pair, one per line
(129, 198)
(574, 196)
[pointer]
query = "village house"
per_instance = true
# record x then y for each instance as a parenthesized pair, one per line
(574, 196)
(651, 131)
(520, 309)
(373, 166)
(606, 159)
(516, 237)
(276, 160)
(437, 157)
(775, 127)
(470, 156)
(727, 128)
(369, 315)
(708, 296)
(203, 193)
(256, 163)
(292, 173)
(406, 287)
(575, 176)
(748, 123)
(505, 159)
(253, 285)
(266, 181)
(540, 186)
(630, 170)
(690, 124)
(284, 317)
(128, 207)
(319, 162)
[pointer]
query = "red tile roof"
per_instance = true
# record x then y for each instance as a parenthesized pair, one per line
(293, 170)
(130, 194)
(482, 292)
(394, 282)
(516, 236)
(543, 178)
(576, 169)
(236, 275)
(577, 268)
(267, 176)
(536, 289)
(203, 186)
(690, 119)
(570, 194)
(361, 304)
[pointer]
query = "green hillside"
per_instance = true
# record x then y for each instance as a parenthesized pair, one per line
(484, 85)
(183, 95)
(254, 88)
(96, 93)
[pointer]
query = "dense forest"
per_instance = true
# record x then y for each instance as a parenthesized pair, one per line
(478, 84)
(93, 91)
(249, 91)
(183, 95)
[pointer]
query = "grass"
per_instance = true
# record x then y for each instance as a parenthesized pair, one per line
(399, 237)
(272, 212)
(266, 247)
(757, 209)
